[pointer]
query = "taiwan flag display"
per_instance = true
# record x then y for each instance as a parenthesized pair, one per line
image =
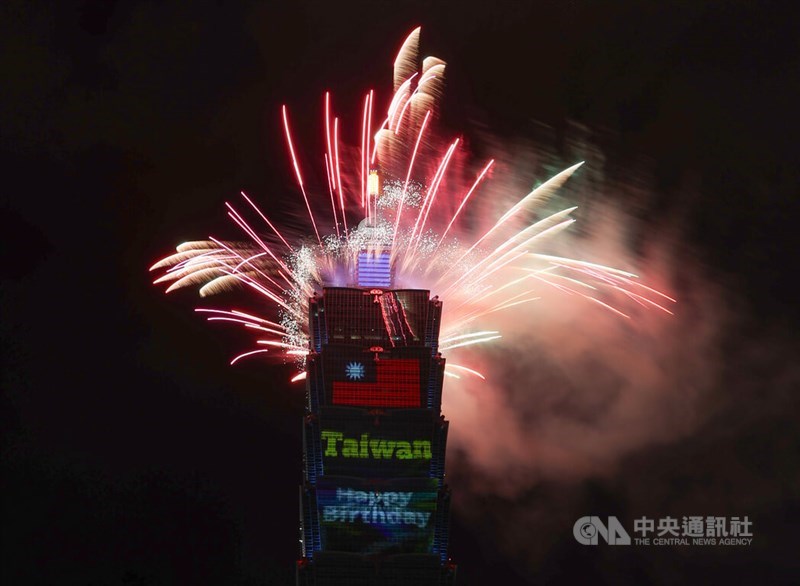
(358, 378)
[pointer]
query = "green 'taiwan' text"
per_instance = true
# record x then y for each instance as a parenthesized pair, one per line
(337, 445)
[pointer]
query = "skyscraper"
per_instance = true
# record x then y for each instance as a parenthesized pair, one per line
(374, 505)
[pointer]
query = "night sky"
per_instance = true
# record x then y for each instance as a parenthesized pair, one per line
(133, 454)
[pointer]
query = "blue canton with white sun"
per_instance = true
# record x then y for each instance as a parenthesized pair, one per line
(354, 371)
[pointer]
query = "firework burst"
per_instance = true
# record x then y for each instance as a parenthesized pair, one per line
(416, 217)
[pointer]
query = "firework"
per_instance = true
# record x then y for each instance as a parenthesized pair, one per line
(417, 215)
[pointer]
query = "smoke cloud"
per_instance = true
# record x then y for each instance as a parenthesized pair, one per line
(573, 388)
(584, 412)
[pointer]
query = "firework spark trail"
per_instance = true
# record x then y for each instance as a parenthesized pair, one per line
(429, 199)
(464, 368)
(640, 298)
(178, 260)
(506, 300)
(470, 342)
(263, 329)
(478, 272)
(398, 99)
(329, 151)
(498, 258)
(540, 193)
(270, 224)
(278, 344)
(241, 321)
(196, 269)
(408, 177)
(257, 269)
(507, 305)
(446, 341)
(463, 203)
(246, 354)
(248, 260)
(236, 313)
(234, 215)
(403, 113)
(373, 206)
(376, 140)
(338, 167)
(333, 197)
(363, 171)
(517, 251)
(297, 172)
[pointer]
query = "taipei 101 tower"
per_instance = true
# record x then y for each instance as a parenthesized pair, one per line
(356, 305)
(373, 504)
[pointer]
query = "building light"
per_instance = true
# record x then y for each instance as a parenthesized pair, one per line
(373, 183)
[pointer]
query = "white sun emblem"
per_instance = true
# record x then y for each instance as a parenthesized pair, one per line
(354, 370)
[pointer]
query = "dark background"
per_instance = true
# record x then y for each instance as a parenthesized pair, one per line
(132, 454)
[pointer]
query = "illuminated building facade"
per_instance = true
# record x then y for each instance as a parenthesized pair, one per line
(374, 506)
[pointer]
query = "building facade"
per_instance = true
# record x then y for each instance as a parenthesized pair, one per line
(374, 508)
